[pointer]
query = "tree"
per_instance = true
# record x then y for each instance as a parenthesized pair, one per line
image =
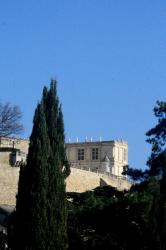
(157, 167)
(40, 218)
(10, 119)
(155, 176)
(135, 174)
(157, 138)
(106, 218)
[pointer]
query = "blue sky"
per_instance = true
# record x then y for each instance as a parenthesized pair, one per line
(108, 58)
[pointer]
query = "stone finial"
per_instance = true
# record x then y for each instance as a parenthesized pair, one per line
(106, 158)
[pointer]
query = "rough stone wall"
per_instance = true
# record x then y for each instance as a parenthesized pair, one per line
(5, 157)
(10, 142)
(81, 180)
(118, 183)
(8, 184)
(78, 181)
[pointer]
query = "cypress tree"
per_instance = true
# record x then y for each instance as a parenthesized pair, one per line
(39, 222)
(56, 195)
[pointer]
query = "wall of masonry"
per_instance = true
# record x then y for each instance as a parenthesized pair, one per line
(78, 181)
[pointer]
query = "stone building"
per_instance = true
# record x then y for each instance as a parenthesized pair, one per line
(13, 150)
(100, 156)
(104, 161)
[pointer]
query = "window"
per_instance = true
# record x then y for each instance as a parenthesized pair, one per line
(95, 153)
(80, 154)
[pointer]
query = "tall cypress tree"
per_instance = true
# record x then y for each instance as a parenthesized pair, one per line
(56, 195)
(40, 217)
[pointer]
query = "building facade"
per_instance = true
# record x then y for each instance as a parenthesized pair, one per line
(13, 150)
(102, 156)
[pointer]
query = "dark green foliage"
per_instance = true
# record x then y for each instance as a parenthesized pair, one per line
(157, 139)
(156, 173)
(157, 167)
(162, 207)
(109, 219)
(3, 240)
(135, 174)
(39, 221)
(157, 135)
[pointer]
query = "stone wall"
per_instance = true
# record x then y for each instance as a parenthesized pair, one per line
(81, 181)
(78, 181)
(5, 157)
(8, 184)
(9, 142)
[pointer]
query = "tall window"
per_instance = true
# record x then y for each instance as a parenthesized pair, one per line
(95, 153)
(81, 154)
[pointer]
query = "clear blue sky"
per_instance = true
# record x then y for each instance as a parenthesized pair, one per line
(108, 56)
